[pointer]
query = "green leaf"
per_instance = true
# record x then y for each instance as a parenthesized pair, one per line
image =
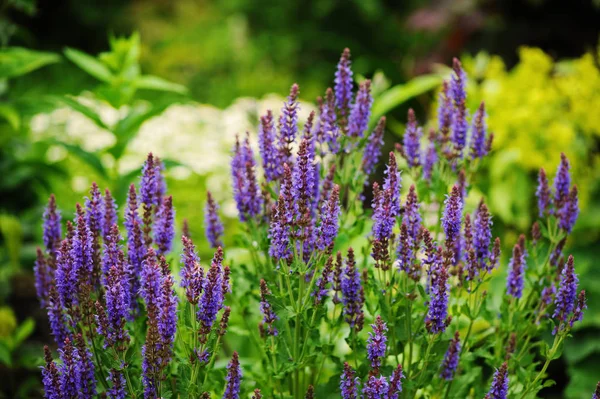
(17, 61)
(23, 332)
(89, 64)
(5, 354)
(89, 158)
(82, 109)
(11, 115)
(399, 94)
(151, 82)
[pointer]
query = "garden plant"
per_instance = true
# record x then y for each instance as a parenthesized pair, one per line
(344, 286)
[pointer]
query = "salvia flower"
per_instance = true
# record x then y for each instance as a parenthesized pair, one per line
(303, 179)
(579, 308)
(361, 110)
(450, 362)
(412, 215)
(567, 292)
(257, 394)
(386, 207)
(267, 137)
(567, 214)
(445, 112)
(406, 254)
(279, 231)
(94, 212)
(288, 124)
(66, 276)
(245, 187)
(192, 274)
(395, 383)
(460, 125)
(516, 273)
(136, 250)
(329, 131)
(82, 248)
(562, 182)
(482, 237)
(234, 378)
(86, 385)
(167, 316)
(269, 316)
(212, 296)
(352, 292)
(349, 383)
(376, 388)
(328, 227)
(376, 343)
(148, 184)
(116, 308)
(70, 375)
(56, 317)
(322, 284)
(412, 141)
(479, 147)
(112, 250)
(343, 83)
(373, 149)
(52, 226)
(110, 213)
(499, 388)
(430, 157)
(164, 229)
(117, 388)
(597, 392)
(50, 377)
(44, 278)
(543, 194)
(437, 313)
(452, 218)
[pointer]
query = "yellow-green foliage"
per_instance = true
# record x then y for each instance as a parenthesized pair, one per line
(537, 110)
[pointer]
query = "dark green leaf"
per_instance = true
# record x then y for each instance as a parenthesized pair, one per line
(17, 61)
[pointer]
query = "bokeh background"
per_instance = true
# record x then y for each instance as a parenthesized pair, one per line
(86, 90)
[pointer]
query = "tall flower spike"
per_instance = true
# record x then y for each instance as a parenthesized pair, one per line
(116, 309)
(192, 274)
(212, 296)
(395, 383)
(327, 185)
(430, 157)
(56, 318)
(288, 124)
(269, 316)
(245, 186)
(482, 237)
(136, 249)
(322, 284)
(66, 276)
(44, 278)
(303, 178)
(343, 83)
(148, 182)
(110, 213)
(52, 228)
(452, 218)
(86, 385)
(499, 388)
(94, 212)
(167, 316)
(267, 136)
(412, 140)
(328, 227)
(460, 125)
(117, 388)
(412, 215)
(376, 388)
(406, 254)
(373, 149)
(50, 377)
(349, 383)
(112, 251)
(445, 113)
(543, 194)
(479, 147)
(361, 110)
(579, 308)
(164, 231)
(351, 292)
(68, 370)
(279, 231)
(234, 378)
(567, 215)
(376, 344)
(386, 207)
(567, 292)
(82, 251)
(161, 184)
(516, 273)
(450, 362)
(328, 128)
(562, 182)
(437, 313)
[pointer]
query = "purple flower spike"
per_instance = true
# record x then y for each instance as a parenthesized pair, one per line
(44, 278)
(516, 272)
(412, 215)
(373, 149)
(234, 378)
(349, 383)
(279, 231)
(567, 292)
(117, 303)
(543, 194)
(112, 251)
(269, 316)
(167, 316)
(212, 296)
(579, 308)
(430, 157)
(567, 214)
(52, 228)
(50, 377)
(479, 147)
(164, 230)
(82, 249)
(499, 388)
(117, 385)
(445, 112)
(56, 318)
(412, 140)
(110, 213)
(482, 234)
(149, 182)
(376, 388)
(322, 284)
(68, 370)
(597, 393)
(86, 385)
(460, 125)
(303, 178)
(66, 276)
(288, 125)
(328, 228)
(450, 362)
(192, 274)
(352, 293)
(387, 206)
(329, 131)
(343, 83)
(562, 182)
(452, 218)
(437, 320)
(136, 249)
(245, 187)
(396, 383)
(376, 344)
(361, 110)
(94, 212)
(267, 146)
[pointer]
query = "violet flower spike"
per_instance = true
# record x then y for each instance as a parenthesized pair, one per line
(562, 182)
(50, 377)
(479, 134)
(597, 392)
(328, 227)
(499, 388)
(450, 362)
(452, 218)
(395, 383)
(116, 308)
(212, 297)
(567, 292)
(328, 127)
(94, 211)
(460, 125)
(192, 274)
(267, 136)
(430, 157)
(66, 276)
(136, 250)
(343, 83)
(245, 186)
(82, 251)
(117, 388)
(279, 231)
(167, 316)
(110, 213)
(376, 344)
(375, 388)
(86, 384)
(568, 213)
(68, 370)
(233, 378)
(52, 226)
(44, 278)
(164, 229)
(351, 287)
(516, 273)
(412, 140)
(579, 308)
(349, 383)
(56, 317)
(412, 215)
(543, 194)
(373, 149)
(213, 225)
(269, 316)
(437, 313)
(445, 112)
(148, 183)
(288, 125)
(482, 237)
(361, 110)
